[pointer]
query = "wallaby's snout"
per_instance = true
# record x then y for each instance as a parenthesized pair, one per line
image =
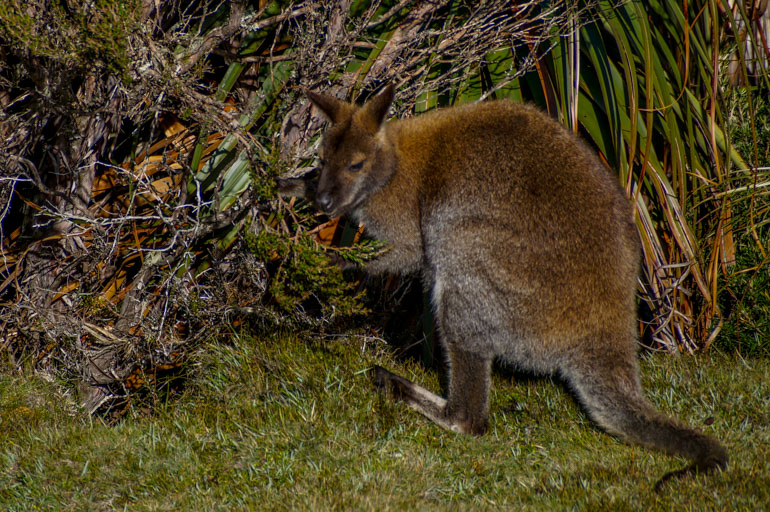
(331, 192)
(324, 201)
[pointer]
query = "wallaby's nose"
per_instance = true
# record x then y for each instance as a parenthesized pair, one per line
(324, 201)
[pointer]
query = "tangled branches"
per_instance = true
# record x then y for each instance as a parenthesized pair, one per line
(142, 139)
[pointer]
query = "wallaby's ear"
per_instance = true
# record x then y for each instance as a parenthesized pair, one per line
(332, 108)
(374, 111)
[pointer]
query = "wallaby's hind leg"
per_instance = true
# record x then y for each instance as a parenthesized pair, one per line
(466, 411)
(468, 405)
(608, 386)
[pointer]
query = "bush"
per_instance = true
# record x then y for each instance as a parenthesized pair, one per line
(142, 140)
(745, 289)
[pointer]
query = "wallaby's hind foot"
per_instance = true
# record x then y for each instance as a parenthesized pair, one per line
(421, 400)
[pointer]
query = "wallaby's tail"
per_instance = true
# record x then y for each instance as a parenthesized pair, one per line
(613, 398)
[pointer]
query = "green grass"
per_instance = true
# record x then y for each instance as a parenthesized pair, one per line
(287, 423)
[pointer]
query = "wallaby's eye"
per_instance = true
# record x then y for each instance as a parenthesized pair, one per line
(321, 162)
(356, 167)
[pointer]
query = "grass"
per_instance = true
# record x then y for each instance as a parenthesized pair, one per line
(281, 423)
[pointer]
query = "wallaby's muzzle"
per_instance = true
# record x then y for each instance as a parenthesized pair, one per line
(324, 202)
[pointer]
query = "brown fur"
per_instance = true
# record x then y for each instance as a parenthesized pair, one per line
(527, 244)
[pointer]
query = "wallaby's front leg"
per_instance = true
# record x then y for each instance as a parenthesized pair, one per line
(466, 411)
(404, 258)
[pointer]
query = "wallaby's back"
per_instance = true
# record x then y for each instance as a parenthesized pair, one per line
(526, 243)
(504, 189)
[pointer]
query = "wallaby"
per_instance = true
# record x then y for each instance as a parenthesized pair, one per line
(526, 243)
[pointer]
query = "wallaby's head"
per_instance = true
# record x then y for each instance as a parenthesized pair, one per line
(356, 157)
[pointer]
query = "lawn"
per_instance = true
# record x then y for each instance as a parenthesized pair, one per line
(283, 422)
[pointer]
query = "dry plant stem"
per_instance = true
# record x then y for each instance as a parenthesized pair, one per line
(491, 25)
(216, 36)
(73, 243)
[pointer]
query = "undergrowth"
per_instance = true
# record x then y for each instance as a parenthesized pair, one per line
(286, 422)
(302, 275)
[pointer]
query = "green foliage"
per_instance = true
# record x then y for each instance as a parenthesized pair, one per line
(748, 118)
(361, 251)
(264, 184)
(74, 34)
(745, 297)
(745, 290)
(303, 277)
